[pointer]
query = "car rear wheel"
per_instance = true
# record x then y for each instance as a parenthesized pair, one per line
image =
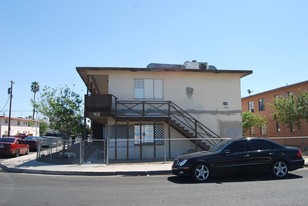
(201, 172)
(17, 153)
(280, 169)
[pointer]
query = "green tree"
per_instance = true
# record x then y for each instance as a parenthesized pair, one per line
(62, 108)
(302, 102)
(43, 128)
(292, 109)
(35, 87)
(250, 119)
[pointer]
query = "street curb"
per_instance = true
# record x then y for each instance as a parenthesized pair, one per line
(88, 173)
(79, 173)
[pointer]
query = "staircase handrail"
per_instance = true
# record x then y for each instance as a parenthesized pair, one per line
(193, 124)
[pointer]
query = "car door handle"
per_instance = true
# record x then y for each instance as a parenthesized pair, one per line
(247, 155)
(271, 153)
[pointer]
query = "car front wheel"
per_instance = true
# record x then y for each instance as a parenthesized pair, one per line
(280, 169)
(201, 172)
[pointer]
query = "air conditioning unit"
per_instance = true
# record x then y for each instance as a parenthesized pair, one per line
(195, 65)
(191, 65)
(203, 65)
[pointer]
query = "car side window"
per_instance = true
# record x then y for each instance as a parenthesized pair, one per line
(259, 145)
(239, 146)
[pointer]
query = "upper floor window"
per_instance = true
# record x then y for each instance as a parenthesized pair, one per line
(261, 104)
(149, 89)
(289, 94)
(250, 106)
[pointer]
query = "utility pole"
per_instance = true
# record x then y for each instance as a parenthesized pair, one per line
(10, 92)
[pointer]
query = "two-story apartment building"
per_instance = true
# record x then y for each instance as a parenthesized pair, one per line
(260, 104)
(19, 126)
(163, 109)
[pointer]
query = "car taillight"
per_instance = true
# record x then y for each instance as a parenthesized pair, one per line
(299, 154)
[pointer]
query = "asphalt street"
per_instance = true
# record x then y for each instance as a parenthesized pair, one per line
(254, 189)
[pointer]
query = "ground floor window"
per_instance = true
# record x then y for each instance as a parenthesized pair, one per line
(252, 130)
(149, 134)
(277, 127)
(263, 130)
(292, 129)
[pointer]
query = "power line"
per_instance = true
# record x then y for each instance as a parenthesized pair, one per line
(5, 104)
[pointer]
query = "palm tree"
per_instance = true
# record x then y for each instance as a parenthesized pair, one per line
(35, 87)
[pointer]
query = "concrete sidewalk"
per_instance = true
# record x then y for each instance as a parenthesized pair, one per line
(28, 164)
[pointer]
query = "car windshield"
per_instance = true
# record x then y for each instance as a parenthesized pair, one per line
(30, 138)
(10, 140)
(219, 147)
(51, 134)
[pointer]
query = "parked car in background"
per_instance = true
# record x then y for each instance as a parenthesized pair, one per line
(239, 155)
(53, 138)
(35, 142)
(13, 146)
(53, 134)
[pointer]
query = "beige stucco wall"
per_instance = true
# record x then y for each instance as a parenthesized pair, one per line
(206, 104)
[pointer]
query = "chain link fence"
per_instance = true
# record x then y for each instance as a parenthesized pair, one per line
(71, 151)
(99, 151)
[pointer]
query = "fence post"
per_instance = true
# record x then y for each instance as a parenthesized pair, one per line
(107, 151)
(50, 156)
(196, 135)
(80, 151)
(165, 160)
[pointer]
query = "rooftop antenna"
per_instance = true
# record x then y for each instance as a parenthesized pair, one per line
(249, 91)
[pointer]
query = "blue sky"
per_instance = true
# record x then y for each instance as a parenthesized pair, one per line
(46, 40)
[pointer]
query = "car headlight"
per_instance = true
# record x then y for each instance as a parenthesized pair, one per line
(182, 162)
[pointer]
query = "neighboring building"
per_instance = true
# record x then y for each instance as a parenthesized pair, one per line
(259, 104)
(162, 110)
(19, 126)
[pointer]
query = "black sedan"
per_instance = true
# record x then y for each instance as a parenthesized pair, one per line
(239, 155)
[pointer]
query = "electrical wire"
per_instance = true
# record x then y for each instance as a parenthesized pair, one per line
(5, 104)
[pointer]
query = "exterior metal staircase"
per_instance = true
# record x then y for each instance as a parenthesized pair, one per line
(172, 114)
(166, 111)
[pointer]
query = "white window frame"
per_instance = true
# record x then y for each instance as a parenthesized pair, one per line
(252, 130)
(145, 135)
(263, 130)
(251, 106)
(148, 88)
